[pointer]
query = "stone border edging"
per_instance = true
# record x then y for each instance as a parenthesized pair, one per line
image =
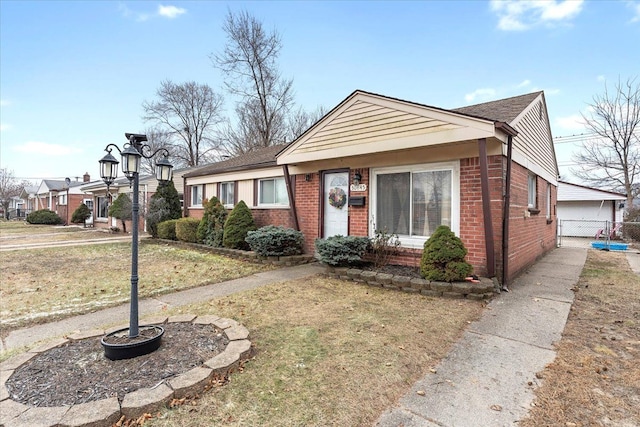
(106, 412)
(475, 291)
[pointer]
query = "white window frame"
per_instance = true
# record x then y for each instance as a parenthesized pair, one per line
(62, 199)
(418, 241)
(532, 191)
(224, 189)
(548, 201)
(274, 179)
(196, 195)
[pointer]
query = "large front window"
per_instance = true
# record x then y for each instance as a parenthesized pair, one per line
(103, 207)
(413, 201)
(272, 191)
(226, 194)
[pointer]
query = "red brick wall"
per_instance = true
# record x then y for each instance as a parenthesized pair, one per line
(359, 215)
(308, 209)
(281, 217)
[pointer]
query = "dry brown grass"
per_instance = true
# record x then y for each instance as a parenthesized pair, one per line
(45, 284)
(20, 232)
(595, 379)
(328, 352)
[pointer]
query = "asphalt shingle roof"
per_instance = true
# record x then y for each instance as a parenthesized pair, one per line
(501, 110)
(263, 157)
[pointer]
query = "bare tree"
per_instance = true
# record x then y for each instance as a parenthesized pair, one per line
(612, 159)
(301, 120)
(9, 187)
(249, 63)
(190, 113)
(158, 138)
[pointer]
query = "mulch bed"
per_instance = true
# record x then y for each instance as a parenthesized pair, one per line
(78, 372)
(396, 270)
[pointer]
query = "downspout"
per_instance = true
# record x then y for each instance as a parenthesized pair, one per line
(486, 208)
(505, 216)
(292, 201)
(185, 207)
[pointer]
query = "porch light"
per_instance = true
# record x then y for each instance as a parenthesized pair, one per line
(357, 177)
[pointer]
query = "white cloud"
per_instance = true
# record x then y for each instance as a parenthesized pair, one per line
(570, 123)
(4, 127)
(483, 93)
(170, 11)
(635, 7)
(601, 78)
(42, 148)
(524, 83)
(517, 15)
(130, 14)
(4, 102)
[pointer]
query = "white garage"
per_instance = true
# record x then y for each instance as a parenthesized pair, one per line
(583, 211)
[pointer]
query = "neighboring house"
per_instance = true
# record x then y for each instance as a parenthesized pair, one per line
(254, 178)
(28, 197)
(60, 196)
(584, 210)
(375, 162)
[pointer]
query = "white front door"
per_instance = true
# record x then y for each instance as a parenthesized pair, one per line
(335, 202)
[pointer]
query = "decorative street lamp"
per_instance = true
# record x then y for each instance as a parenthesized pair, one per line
(131, 154)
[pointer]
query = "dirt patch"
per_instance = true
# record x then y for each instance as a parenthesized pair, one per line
(595, 379)
(78, 372)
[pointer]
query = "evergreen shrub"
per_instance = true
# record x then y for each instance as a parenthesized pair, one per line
(238, 224)
(81, 214)
(211, 228)
(273, 240)
(187, 229)
(121, 209)
(164, 205)
(167, 229)
(443, 257)
(44, 216)
(342, 250)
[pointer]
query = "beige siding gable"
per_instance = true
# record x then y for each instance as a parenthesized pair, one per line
(533, 147)
(365, 123)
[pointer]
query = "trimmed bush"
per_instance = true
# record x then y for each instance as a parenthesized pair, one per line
(81, 215)
(44, 216)
(238, 224)
(167, 230)
(275, 241)
(342, 250)
(211, 228)
(187, 229)
(443, 257)
(121, 209)
(164, 205)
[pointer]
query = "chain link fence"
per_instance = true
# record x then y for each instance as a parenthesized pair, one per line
(581, 233)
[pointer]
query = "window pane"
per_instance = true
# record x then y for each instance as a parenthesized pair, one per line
(431, 201)
(281, 192)
(103, 207)
(532, 191)
(226, 193)
(267, 191)
(393, 203)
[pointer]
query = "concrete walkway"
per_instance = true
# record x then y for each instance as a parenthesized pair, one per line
(488, 378)
(633, 257)
(147, 307)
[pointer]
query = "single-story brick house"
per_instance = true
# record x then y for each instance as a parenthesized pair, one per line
(488, 171)
(60, 196)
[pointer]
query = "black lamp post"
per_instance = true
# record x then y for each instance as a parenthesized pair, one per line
(131, 154)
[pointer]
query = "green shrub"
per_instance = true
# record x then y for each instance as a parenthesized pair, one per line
(275, 241)
(443, 257)
(164, 205)
(121, 209)
(44, 216)
(187, 229)
(81, 214)
(238, 224)
(211, 228)
(167, 229)
(342, 250)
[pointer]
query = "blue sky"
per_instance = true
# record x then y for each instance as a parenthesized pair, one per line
(73, 75)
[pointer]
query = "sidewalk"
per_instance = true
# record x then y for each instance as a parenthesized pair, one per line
(149, 306)
(488, 378)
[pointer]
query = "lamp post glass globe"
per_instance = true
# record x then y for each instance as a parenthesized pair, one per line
(130, 161)
(164, 170)
(108, 168)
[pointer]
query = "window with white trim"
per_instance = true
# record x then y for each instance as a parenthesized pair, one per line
(548, 201)
(532, 201)
(103, 208)
(226, 194)
(272, 192)
(62, 199)
(413, 201)
(196, 195)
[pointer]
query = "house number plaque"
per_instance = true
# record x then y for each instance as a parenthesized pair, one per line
(358, 187)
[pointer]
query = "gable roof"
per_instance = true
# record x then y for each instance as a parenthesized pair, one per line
(502, 110)
(262, 157)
